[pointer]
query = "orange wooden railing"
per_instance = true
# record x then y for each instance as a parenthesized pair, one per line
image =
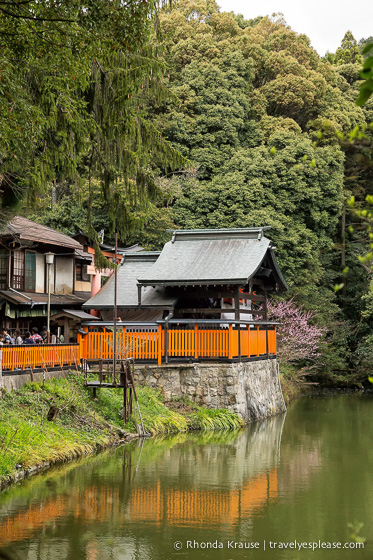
(159, 343)
(39, 356)
(152, 343)
(147, 345)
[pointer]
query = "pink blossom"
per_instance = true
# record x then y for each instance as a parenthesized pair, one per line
(298, 339)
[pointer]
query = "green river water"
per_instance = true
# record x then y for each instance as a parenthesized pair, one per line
(300, 477)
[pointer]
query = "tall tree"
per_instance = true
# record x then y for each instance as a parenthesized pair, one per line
(348, 52)
(73, 93)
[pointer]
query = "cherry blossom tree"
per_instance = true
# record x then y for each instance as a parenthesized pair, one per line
(298, 339)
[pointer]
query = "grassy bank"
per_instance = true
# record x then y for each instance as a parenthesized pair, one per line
(82, 424)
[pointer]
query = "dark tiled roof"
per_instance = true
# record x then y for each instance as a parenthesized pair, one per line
(132, 249)
(83, 255)
(76, 314)
(26, 298)
(31, 231)
(206, 257)
(133, 265)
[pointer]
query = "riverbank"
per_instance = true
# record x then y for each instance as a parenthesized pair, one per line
(293, 383)
(79, 424)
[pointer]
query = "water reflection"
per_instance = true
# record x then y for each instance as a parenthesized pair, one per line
(183, 480)
(274, 479)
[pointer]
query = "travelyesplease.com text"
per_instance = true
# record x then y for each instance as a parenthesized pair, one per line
(265, 545)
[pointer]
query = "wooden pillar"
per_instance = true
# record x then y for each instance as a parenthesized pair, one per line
(159, 345)
(237, 318)
(124, 350)
(196, 349)
(166, 342)
(267, 352)
(265, 311)
(230, 341)
(66, 330)
(85, 343)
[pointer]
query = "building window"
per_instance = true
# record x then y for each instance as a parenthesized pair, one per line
(30, 271)
(78, 271)
(81, 274)
(18, 270)
(4, 256)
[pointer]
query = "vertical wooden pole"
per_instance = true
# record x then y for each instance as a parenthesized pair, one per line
(159, 345)
(230, 341)
(237, 317)
(267, 351)
(85, 343)
(166, 342)
(124, 343)
(196, 349)
(265, 314)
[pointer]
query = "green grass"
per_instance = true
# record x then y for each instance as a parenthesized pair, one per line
(27, 438)
(84, 424)
(161, 419)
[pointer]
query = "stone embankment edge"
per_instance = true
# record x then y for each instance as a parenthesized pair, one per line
(45, 465)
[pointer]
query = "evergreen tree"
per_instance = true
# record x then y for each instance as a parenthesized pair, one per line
(348, 52)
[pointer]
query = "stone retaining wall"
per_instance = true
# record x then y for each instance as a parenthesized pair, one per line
(11, 382)
(250, 389)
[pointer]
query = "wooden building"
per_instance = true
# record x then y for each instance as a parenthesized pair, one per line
(199, 274)
(202, 297)
(24, 245)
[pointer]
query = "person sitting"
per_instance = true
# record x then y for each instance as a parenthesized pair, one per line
(6, 337)
(17, 337)
(36, 336)
(28, 338)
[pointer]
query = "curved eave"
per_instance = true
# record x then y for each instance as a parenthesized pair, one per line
(108, 307)
(280, 279)
(197, 282)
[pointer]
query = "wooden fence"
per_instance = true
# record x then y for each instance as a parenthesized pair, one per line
(161, 344)
(157, 343)
(31, 356)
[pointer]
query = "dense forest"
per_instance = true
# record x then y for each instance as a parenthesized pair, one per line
(202, 120)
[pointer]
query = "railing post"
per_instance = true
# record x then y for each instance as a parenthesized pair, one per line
(85, 340)
(230, 341)
(239, 341)
(159, 345)
(196, 349)
(124, 346)
(267, 349)
(257, 340)
(166, 343)
(80, 342)
(248, 341)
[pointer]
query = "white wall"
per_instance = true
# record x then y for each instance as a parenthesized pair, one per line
(40, 286)
(64, 275)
